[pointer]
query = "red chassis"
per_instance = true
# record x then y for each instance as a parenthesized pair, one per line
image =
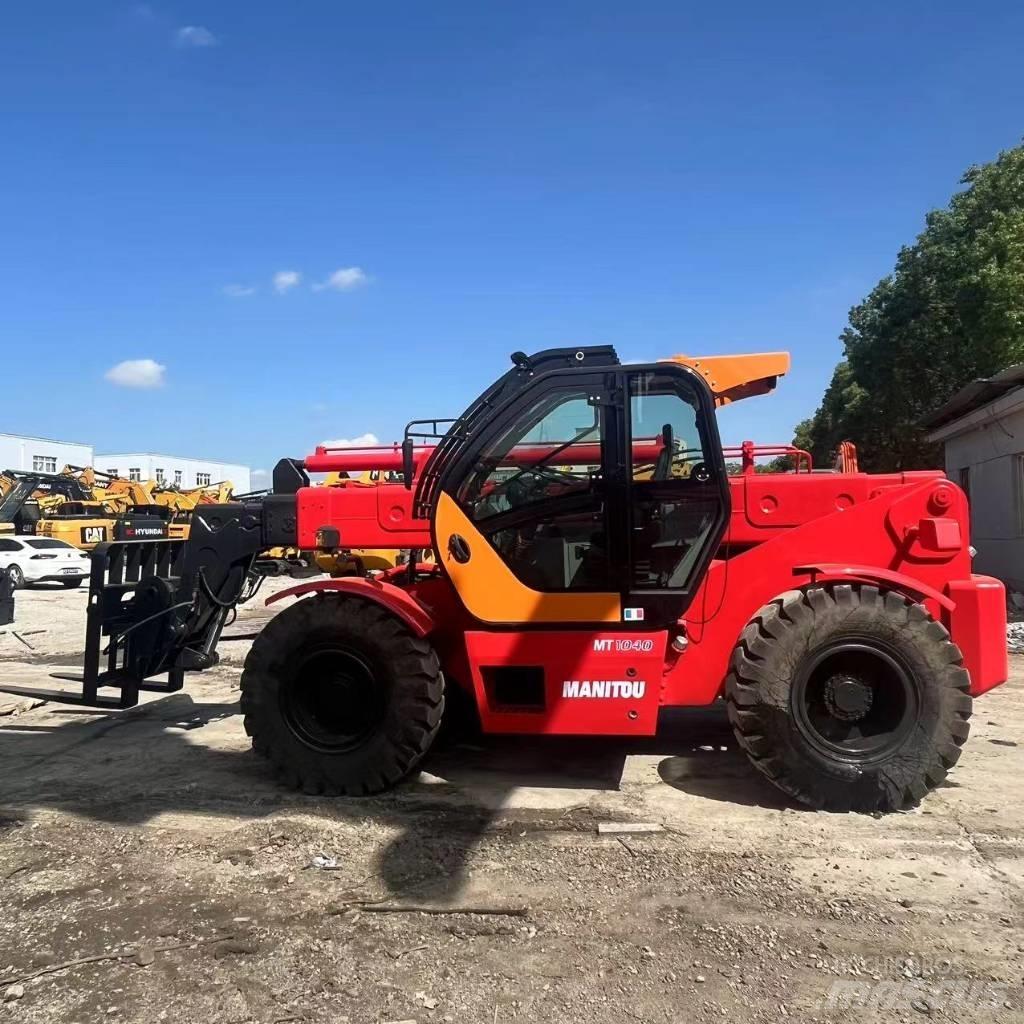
(906, 532)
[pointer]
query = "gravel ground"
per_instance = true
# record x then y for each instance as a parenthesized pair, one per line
(154, 849)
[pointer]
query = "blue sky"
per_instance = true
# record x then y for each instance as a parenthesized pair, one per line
(485, 177)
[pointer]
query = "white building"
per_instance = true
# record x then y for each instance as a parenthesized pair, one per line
(41, 454)
(174, 470)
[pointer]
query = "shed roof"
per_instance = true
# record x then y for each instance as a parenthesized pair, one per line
(974, 395)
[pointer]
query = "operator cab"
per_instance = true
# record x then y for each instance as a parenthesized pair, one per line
(590, 492)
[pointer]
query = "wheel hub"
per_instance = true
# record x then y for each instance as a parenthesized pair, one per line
(333, 702)
(855, 699)
(847, 698)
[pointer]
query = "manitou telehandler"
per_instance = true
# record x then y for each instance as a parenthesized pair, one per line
(594, 563)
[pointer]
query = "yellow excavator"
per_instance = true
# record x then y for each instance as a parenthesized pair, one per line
(60, 506)
(182, 503)
(86, 507)
(168, 502)
(27, 497)
(6, 486)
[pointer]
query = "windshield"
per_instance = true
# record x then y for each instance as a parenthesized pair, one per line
(45, 542)
(552, 449)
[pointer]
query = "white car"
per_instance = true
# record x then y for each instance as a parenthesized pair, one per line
(42, 559)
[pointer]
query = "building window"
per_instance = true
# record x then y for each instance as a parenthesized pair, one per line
(159, 474)
(112, 471)
(44, 463)
(134, 473)
(177, 478)
(202, 479)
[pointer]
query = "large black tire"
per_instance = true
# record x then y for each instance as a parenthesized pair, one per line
(341, 696)
(848, 698)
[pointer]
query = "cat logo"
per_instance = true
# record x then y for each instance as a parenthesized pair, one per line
(94, 534)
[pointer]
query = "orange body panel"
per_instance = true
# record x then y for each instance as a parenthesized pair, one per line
(492, 593)
(734, 377)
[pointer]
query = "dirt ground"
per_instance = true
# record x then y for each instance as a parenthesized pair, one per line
(153, 848)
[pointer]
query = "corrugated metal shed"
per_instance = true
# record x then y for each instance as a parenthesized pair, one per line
(974, 395)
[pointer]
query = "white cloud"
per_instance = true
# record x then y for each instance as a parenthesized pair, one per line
(286, 279)
(195, 36)
(238, 291)
(343, 280)
(366, 440)
(137, 373)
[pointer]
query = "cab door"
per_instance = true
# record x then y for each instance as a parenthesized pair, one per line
(523, 523)
(676, 504)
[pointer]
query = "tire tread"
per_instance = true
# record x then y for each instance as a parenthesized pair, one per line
(755, 689)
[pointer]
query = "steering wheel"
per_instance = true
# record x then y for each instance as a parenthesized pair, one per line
(525, 485)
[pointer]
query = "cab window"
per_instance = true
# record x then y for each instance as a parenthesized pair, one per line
(675, 498)
(536, 492)
(552, 450)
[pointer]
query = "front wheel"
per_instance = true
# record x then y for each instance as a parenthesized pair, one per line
(848, 698)
(341, 696)
(16, 576)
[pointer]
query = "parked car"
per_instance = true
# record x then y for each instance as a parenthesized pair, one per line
(42, 559)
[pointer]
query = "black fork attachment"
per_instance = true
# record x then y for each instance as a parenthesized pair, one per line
(158, 607)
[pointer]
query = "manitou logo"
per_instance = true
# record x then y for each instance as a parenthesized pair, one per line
(623, 688)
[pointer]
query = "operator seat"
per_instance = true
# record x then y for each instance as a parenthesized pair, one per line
(663, 465)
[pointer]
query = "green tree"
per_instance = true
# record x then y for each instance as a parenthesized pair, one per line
(952, 311)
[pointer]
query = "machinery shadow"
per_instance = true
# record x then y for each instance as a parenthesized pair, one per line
(714, 767)
(175, 755)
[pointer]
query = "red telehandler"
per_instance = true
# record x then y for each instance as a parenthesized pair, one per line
(594, 563)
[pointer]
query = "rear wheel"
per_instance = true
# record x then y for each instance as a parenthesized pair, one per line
(71, 584)
(341, 696)
(848, 698)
